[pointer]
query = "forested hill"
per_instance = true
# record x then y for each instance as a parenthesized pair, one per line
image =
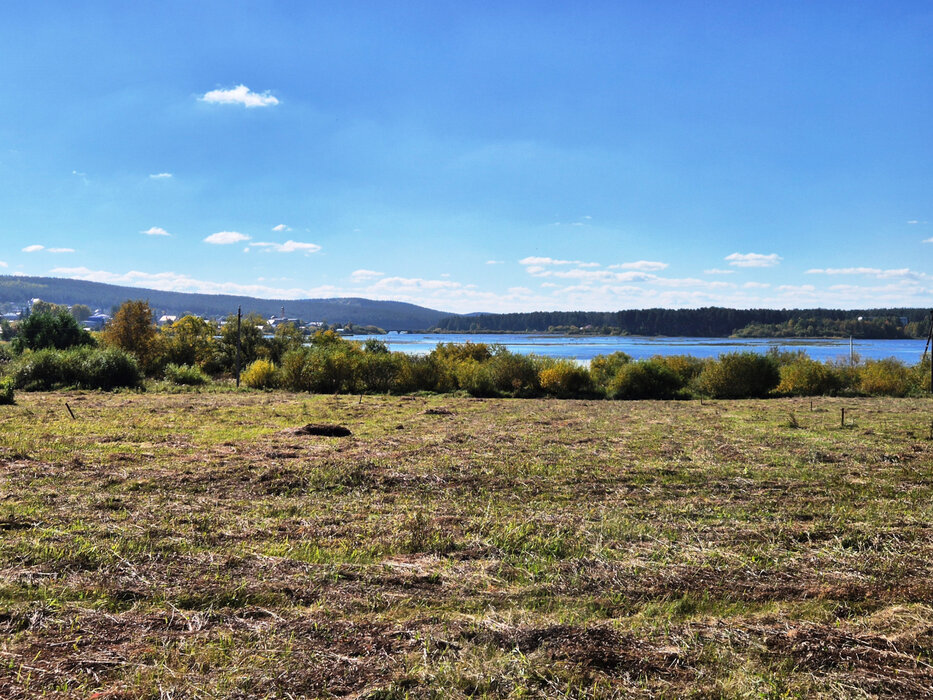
(391, 315)
(706, 322)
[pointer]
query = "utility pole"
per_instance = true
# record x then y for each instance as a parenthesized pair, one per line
(926, 348)
(238, 314)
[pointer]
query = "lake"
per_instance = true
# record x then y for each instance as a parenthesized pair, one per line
(585, 348)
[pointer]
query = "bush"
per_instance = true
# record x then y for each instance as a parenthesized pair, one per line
(415, 373)
(685, 367)
(513, 374)
(644, 380)
(806, 377)
(564, 379)
(474, 377)
(87, 368)
(261, 374)
(185, 374)
(603, 368)
(884, 378)
(739, 375)
(379, 370)
(107, 369)
(921, 375)
(6, 391)
(328, 368)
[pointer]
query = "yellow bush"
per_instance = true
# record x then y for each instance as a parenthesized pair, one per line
(261, 374)
(564, 379)
(884, 378)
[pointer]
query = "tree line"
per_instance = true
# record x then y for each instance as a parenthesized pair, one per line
(715, 322)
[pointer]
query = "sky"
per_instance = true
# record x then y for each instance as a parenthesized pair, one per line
(474, 156)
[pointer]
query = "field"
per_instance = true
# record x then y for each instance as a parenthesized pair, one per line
(175, 545)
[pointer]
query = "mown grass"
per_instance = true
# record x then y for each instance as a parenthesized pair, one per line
(193, 545)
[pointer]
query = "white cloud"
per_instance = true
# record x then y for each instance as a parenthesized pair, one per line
(281, 227)
(717, 271)
(160, 176)
(177, 282)
(642, 265)
(898, 273)
(534, 260)
(928, 240)
(495, 262)
(753, 259)
(755, 285)
(35, 248)
(61, 250)
(913, 221)
(365, 275)
(226, 237)
(241, 95)
(3, 264)
(155, 231)
(288, 247)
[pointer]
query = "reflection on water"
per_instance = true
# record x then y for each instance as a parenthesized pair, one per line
(584, 348)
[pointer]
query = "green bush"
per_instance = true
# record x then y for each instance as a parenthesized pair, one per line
(185, 374)
(6, 391)
(685, 367)
(84, 367)
(415, 373)
(564, 379)
(475, 378)
(261, 374)
(738, 375)
(329, 368)
(379, 370)
(806, 377)
(107, 369)
(648, 379)
(513, 374)
(603, 368)
(887, 377)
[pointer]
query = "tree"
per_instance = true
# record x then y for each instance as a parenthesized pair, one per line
(188, 341)
(50, 329)
(133, 330)
(81, 312)
(45, 307)
(253, 345)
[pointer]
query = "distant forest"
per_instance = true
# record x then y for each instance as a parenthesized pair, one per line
(706, 322)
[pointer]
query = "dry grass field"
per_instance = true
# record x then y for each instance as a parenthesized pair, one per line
(176, 545)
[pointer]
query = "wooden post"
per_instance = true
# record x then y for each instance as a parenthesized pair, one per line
(842, 424)
(238, 314)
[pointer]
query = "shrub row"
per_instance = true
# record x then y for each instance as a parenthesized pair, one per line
(83, 367)
(331, 364)
(335, 365)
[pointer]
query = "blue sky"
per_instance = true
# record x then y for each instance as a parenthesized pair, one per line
(480, 156)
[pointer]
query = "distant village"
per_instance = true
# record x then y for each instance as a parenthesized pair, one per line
(97, 319)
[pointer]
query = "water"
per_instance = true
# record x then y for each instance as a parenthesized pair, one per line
(585, 348)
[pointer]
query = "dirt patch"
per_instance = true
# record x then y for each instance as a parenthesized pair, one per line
(438, 412)
(594, 648)
(874, 662)
(322, 429)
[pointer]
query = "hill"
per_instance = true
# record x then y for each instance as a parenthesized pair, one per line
(391, 315)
